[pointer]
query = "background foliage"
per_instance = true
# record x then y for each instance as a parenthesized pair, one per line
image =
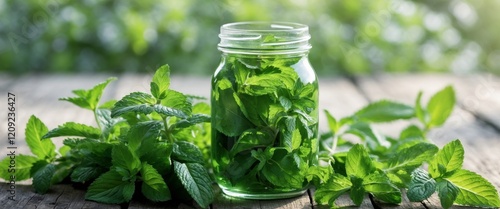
(348, 36)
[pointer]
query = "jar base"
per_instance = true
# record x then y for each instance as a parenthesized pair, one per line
(263, 195)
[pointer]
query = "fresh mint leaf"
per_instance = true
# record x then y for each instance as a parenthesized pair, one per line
(153, 185)
(282, 170)
(168, 111)
(447, 193)
(367, 134)
(256, 108)
(136, 102)
(447, 160)
(321, 173)
(440, 106)
(285, 103)
(123, 157)
(412, 132)
(107, 123)
(474, 190)
(196, 180)
(35, 129)
(74, 129)
(187, 152)
(192, 120)
(412, 157)
(332, 122)
(89, 99)
(329, 191)
(267, 83)
(62, 170)
(161, 82)
(357, 190)
(178, 101)
(148, 130)
(23, 163)
(379, 185)
(86, 173)
(253, 138)
(421, 187)
(384, 111)
(150, 152)
(421, 114)
(358, 162)
(42, 178)
(109, 188)
(227, 117)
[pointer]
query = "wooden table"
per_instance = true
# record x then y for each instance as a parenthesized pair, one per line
(475, 120)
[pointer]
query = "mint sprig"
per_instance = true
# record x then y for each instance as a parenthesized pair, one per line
(140, 141)
(382, 165)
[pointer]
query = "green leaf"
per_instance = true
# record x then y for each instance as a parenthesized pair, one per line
(290, 134)
(109, 188)
(74, 129)
(156, 154)
(17, 166)
(447, 193)
(474, 189)
(329, 191)
(107, 123)
(379, 185)
(193, 120)
(187, 152)
(153, 186)
(283, 170)
(385, 111)
(148, 130)
(332, 122)
(357, 190)
(440, 106)
(178, 101)
(412, 157)
(62, 171)
(89, 99)
(161, 82)
(421, 187)
(226, 115)
(421, 114)
(168, 111)
(123, 157)
(42, 179)
(86, 173)
(358, 162)
(321, 173)
(35, 129)
(196, 180)
(253, 138)
(136, 102)
(367, 134)
(448, 159)
(266, 84)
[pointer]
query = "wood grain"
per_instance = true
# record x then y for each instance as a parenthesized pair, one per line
(476, 121)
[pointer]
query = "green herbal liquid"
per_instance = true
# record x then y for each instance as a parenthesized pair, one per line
(264, 125)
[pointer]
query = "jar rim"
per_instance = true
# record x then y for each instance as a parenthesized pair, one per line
(264, 37)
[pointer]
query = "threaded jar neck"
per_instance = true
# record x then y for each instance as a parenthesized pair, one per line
(264, 38)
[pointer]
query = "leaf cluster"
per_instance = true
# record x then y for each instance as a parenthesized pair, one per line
(143, 142)
(267, 115)
(382, 165)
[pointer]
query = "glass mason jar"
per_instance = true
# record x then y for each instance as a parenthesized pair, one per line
(264, 110)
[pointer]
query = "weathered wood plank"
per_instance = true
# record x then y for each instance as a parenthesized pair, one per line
(59, 196)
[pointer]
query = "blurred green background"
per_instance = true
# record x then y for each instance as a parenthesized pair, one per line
(348, 36)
